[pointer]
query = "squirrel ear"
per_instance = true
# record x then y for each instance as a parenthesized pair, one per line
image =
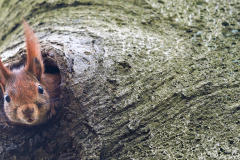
(37, 68)
(34, 57)
(4, 75)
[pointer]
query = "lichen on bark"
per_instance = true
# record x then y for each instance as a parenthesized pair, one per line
(143, 79)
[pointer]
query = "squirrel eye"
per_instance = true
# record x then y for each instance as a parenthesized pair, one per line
(7, 98)
(40, 90)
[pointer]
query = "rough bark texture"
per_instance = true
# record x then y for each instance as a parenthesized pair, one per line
(141, 79)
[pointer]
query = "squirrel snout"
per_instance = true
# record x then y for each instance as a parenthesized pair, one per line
(28, 112)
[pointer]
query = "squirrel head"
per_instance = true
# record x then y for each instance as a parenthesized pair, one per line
(26, 100)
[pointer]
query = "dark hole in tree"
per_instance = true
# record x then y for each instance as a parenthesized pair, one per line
(51, 69)
(50, 66)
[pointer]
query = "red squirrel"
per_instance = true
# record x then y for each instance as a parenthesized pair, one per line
(28, 91)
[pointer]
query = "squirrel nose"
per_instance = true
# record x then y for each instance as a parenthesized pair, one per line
(28, 112)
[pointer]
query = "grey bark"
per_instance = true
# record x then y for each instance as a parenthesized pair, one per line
(141, 79)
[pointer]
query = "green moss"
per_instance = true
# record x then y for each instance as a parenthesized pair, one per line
(172, 74)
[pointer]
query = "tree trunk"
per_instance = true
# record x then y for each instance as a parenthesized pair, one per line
(140, 79)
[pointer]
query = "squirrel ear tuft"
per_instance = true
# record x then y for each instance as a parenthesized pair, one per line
(34, 57)
(4, 75)
(37, 68)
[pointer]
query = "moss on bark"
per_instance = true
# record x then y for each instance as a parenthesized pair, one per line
(143, 79)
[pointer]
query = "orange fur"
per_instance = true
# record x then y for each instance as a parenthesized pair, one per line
(25, 104)
(33, 50)
(5, 73)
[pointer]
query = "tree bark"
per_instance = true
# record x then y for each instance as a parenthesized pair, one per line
(140, 79)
